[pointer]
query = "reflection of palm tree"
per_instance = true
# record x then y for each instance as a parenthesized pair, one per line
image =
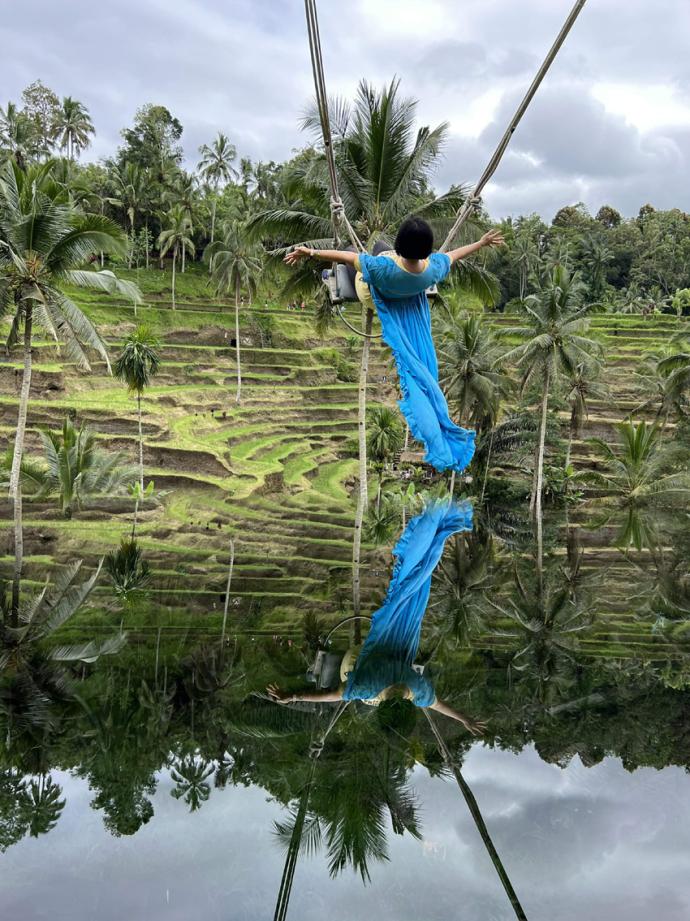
(190, 775)
(45, 805)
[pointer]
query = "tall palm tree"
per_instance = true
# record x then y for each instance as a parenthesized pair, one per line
(183, 192)
(136, 365)
(236, 267)
(595, 256)
(384, 440)
(45, 242)
(130, 192)
(216, 168)
(555, 343)
(73, 126)
(176, 237)
(583, 386)
(469, 358)
(17, 134)
(667, 376)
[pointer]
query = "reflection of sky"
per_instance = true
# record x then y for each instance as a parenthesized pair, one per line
(599, 844)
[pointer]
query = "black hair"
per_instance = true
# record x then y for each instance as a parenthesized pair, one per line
(397, 716)
(415, 239)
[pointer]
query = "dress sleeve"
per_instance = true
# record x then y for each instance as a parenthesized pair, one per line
(363, 264)
(440, 266)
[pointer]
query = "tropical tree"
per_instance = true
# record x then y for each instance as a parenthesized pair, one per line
(17, 134)
(191, 775)
(44, 805)
(583, 385)
(77, 469)
(595, 257)
(216, 168)
(130, 190)
(176, 237)
(641, 469)
(555, 343)
(469, 359)
(384, 440)
(667, 377)
(136, 366)
(41, 614)
(44, 242)
(73, 126)
(236, 266)
(128, 571)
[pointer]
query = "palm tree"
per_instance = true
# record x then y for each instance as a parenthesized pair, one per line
(384, 441)
(74, 126)
(44, 243)
(128, 572)
(183, 192)
(78, 469)
(216, 168)
(43, 613)
(583, 386)
(236, 266)
(555, 344)
(17, 134)
(641, 470)
(190, 775)
(176, 237)
(468, 356)
(136, 366)
(130, 192)
(595, 256)
(667, 376)
(45, 805)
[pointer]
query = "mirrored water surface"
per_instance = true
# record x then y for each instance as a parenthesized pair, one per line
(509, 738)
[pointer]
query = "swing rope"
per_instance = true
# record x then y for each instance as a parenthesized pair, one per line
(472, 202)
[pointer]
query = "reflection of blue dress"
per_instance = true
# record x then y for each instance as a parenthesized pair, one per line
(403, 308)
(391, 646)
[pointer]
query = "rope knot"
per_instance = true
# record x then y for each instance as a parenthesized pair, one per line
(337, 209)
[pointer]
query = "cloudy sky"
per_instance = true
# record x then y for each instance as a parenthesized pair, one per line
(612, 124)
(598, 843)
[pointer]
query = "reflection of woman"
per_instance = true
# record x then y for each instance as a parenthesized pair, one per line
(382, 672)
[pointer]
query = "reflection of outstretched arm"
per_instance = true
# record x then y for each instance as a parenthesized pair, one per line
(476, 727)
(285, 697)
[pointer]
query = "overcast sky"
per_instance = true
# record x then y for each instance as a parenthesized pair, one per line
(611, 124)
(600, 844)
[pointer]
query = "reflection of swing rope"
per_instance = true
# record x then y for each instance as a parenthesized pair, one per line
(475, 812)
(471, 202)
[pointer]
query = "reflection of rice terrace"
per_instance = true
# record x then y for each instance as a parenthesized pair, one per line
(276, 472)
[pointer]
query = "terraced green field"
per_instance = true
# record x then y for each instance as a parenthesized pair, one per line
(274, 473)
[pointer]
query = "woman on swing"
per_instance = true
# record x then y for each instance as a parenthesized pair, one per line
(395, 282)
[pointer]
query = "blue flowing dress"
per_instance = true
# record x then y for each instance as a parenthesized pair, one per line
(391, 646)
(403, 308)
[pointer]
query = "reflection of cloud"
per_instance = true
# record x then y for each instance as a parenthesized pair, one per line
(242, 67)
(596, 843)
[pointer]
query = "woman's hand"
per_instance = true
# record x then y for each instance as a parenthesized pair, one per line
(295, 256)
(280, 697)
(475, 727)
(492, 238)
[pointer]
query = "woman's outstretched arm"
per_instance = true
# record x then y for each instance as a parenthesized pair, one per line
(325, 255)
(490, 239)
(285, 697)
(476, 727)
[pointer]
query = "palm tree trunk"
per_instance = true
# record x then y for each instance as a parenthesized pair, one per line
(131, 244)
(451, 486)
(15, 491)
(173, 275)
(141, 446)
(535, 501)
(362, 495)
(184, 253)
(147, 241)
(488, 464)
(227, 593)
(237, 339)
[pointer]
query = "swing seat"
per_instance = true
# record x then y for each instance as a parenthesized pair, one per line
(340, 288)
(339, 285)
